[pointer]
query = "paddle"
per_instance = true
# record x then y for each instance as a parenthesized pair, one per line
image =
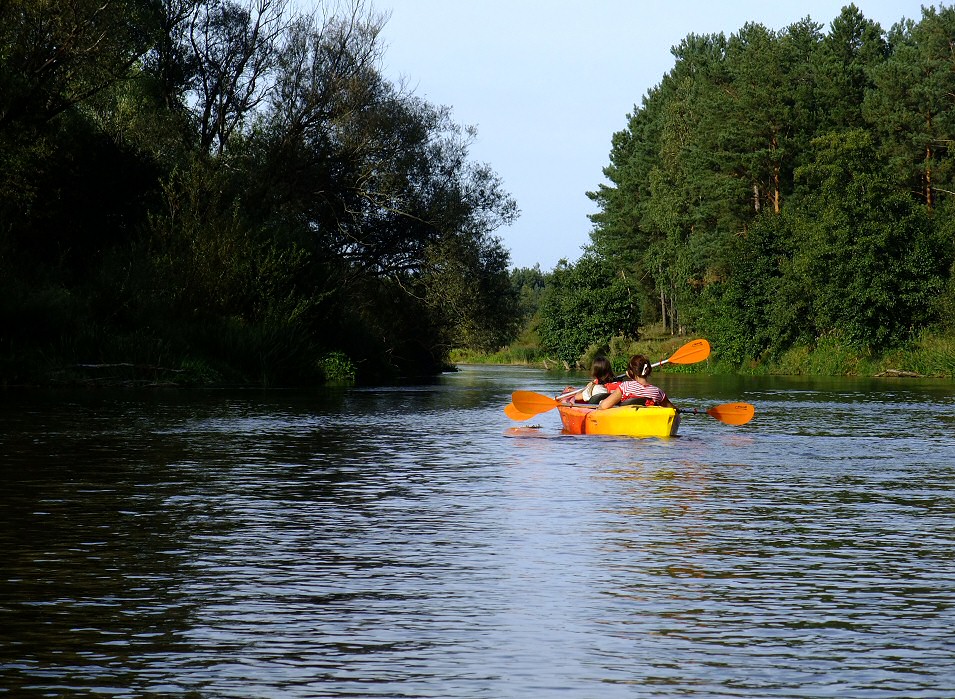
(530, 404)
(690, 353)
(728, 413)
(512, 412)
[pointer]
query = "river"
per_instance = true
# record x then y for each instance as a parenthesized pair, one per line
(408, 541)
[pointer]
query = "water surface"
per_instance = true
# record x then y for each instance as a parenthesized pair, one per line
(409, 542)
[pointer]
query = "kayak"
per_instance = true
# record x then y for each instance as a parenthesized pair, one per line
(628, 420)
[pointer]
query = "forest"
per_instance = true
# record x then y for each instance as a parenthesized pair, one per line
(231, 192)
(778, 189)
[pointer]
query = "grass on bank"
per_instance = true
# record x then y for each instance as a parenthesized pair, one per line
(929, 355)
(654, 343)
(525, 350)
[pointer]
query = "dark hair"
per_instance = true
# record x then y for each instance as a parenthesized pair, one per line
(639, 366)
(601, 370)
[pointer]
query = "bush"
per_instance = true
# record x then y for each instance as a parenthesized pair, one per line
(337, 368)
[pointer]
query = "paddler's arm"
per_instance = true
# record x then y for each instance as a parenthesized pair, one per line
(610, 400)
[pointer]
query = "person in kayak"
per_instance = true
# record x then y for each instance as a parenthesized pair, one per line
(599, 388)
(636, 391)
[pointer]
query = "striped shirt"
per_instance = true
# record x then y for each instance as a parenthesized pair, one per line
(634, 389)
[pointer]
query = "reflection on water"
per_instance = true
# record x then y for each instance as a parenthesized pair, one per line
(412, 541)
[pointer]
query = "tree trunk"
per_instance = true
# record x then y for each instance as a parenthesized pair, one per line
(663, 308)
(929, 199)
(674, 315)
(777, 195)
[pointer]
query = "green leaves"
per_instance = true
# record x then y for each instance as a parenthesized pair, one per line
(583, 304)
(781, 186)
(854, 259)
(240, 182)
(870, 257)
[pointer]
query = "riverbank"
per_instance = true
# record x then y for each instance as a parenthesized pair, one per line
(930, 355)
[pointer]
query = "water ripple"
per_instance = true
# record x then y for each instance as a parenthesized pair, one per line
(403, 542)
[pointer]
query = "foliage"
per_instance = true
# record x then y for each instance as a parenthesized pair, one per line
(235, 187)
(780, 187)
(869, 256)
(517, 353)
(583, 304)
(469, 291)
(528, 283)
(337, 368)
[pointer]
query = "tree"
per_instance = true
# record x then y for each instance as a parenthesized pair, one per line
(528, 284)
(58, 55)
(749, 187)
(56, 61)
(235, 49)
(911, 106)
(583, 304)
(230, 181)
(468, 290)
(870, 261)
(666, 187)
(843, 69)
(758, 308)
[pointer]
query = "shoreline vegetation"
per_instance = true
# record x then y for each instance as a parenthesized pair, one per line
(929, 356)
(786, 194)
(180, 206)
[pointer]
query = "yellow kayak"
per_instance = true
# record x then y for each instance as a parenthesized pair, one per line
(628, 420)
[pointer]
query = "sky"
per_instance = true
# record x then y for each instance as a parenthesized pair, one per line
(548, 82)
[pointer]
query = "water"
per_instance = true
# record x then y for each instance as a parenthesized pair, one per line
(409, 542)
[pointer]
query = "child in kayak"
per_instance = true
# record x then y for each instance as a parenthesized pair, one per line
(637, 390)
(599, 388)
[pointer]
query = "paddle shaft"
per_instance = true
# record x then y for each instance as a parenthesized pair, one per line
(727, 413)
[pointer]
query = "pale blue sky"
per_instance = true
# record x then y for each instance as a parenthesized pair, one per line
(547, 83)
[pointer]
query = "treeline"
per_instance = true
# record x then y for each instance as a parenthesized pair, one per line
(782, 187)
(234, 191)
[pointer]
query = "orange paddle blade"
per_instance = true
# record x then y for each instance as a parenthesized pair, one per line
(512, 412)
(733, 413)
(531, 403)
(691, 353)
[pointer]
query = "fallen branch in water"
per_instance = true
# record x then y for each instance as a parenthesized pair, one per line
(897, 373)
